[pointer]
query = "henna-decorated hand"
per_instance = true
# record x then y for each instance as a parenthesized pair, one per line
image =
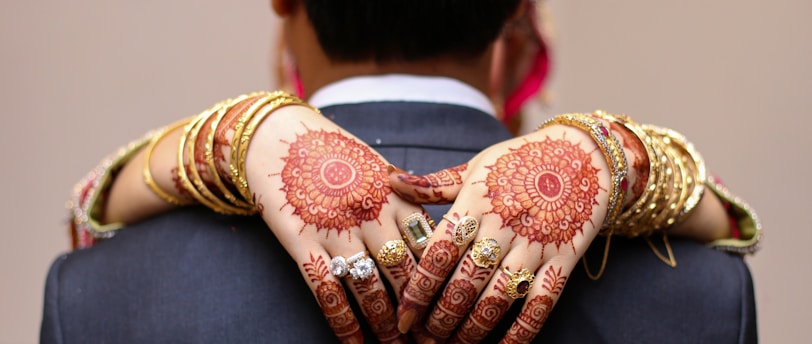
(542, 198)
(326, 194)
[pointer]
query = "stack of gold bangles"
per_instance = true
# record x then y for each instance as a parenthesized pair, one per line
(193, 161)
(676, 182)
(198, 171)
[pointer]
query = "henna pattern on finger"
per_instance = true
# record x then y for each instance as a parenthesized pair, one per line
(333, 182)
(536, 311)
(455, 302)
(438, 262)
(365, 285)
(332, 299)
(553, 281)
(458, 297)
(544, 191)
(377, 308)
(447, 177)
(473, 272)
(482, 320)
(380, 315)
(403, 271)
(530, 320)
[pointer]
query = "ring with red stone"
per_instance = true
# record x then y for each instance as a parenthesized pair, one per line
(519, 283)
(485, 252)
(464, 229)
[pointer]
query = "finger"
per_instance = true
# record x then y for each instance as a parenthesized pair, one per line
(457, 299)
(331, 296)
(437, 262)
(372, 298)
(440, 187)
(472, 275)
(512, 280)
(391, 252)
(486, 314)
(540, 301)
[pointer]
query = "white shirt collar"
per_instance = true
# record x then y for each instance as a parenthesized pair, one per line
(401, 87)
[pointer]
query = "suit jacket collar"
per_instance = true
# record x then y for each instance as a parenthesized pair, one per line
(401, 88)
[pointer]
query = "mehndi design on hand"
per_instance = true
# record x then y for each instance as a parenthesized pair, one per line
(333, 182)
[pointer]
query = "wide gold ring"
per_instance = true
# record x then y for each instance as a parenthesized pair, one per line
(464, 229)
(417, 230)
(519, 283)
(392, 253)
(485, 252)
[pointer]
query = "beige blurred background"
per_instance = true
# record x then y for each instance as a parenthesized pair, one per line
(81, 77)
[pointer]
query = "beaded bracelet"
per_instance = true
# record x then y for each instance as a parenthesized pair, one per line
(612, 152)
(746, 219)
(87, 201)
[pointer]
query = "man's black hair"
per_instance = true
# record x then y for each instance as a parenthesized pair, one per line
(406, 30)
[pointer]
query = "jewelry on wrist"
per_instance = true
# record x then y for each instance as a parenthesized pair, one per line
(147, 173)
(612, 152)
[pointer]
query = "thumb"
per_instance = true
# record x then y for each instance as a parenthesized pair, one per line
(440, 187)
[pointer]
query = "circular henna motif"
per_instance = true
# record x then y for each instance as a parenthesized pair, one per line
(441, 258)
(537, 310)
(458, 297)
(336, 308)
(332, 181)
(544, 190)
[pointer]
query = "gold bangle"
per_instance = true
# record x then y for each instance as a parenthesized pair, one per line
(191, 180)
(636, 220)
(184, 154)
(695, 171)
(209, 153)
(148, 179)
(245, 132)
(623, 224)
(612, 152)
(239, 181)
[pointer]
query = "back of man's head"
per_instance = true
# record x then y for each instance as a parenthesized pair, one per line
(407, 30)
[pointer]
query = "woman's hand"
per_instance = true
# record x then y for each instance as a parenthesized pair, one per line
(325, 195)
(525, 211)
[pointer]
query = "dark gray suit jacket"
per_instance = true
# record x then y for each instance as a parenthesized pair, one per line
(192, 276)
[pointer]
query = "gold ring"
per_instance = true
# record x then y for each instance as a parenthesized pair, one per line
(485, 252)
(519, 283)
(417, 230)
(392, 252)
(464, 229)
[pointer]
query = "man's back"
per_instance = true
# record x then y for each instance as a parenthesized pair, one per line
(194, 276)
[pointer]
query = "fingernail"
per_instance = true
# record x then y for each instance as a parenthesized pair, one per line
(394, 169)
(406, 321)
(430, 341)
